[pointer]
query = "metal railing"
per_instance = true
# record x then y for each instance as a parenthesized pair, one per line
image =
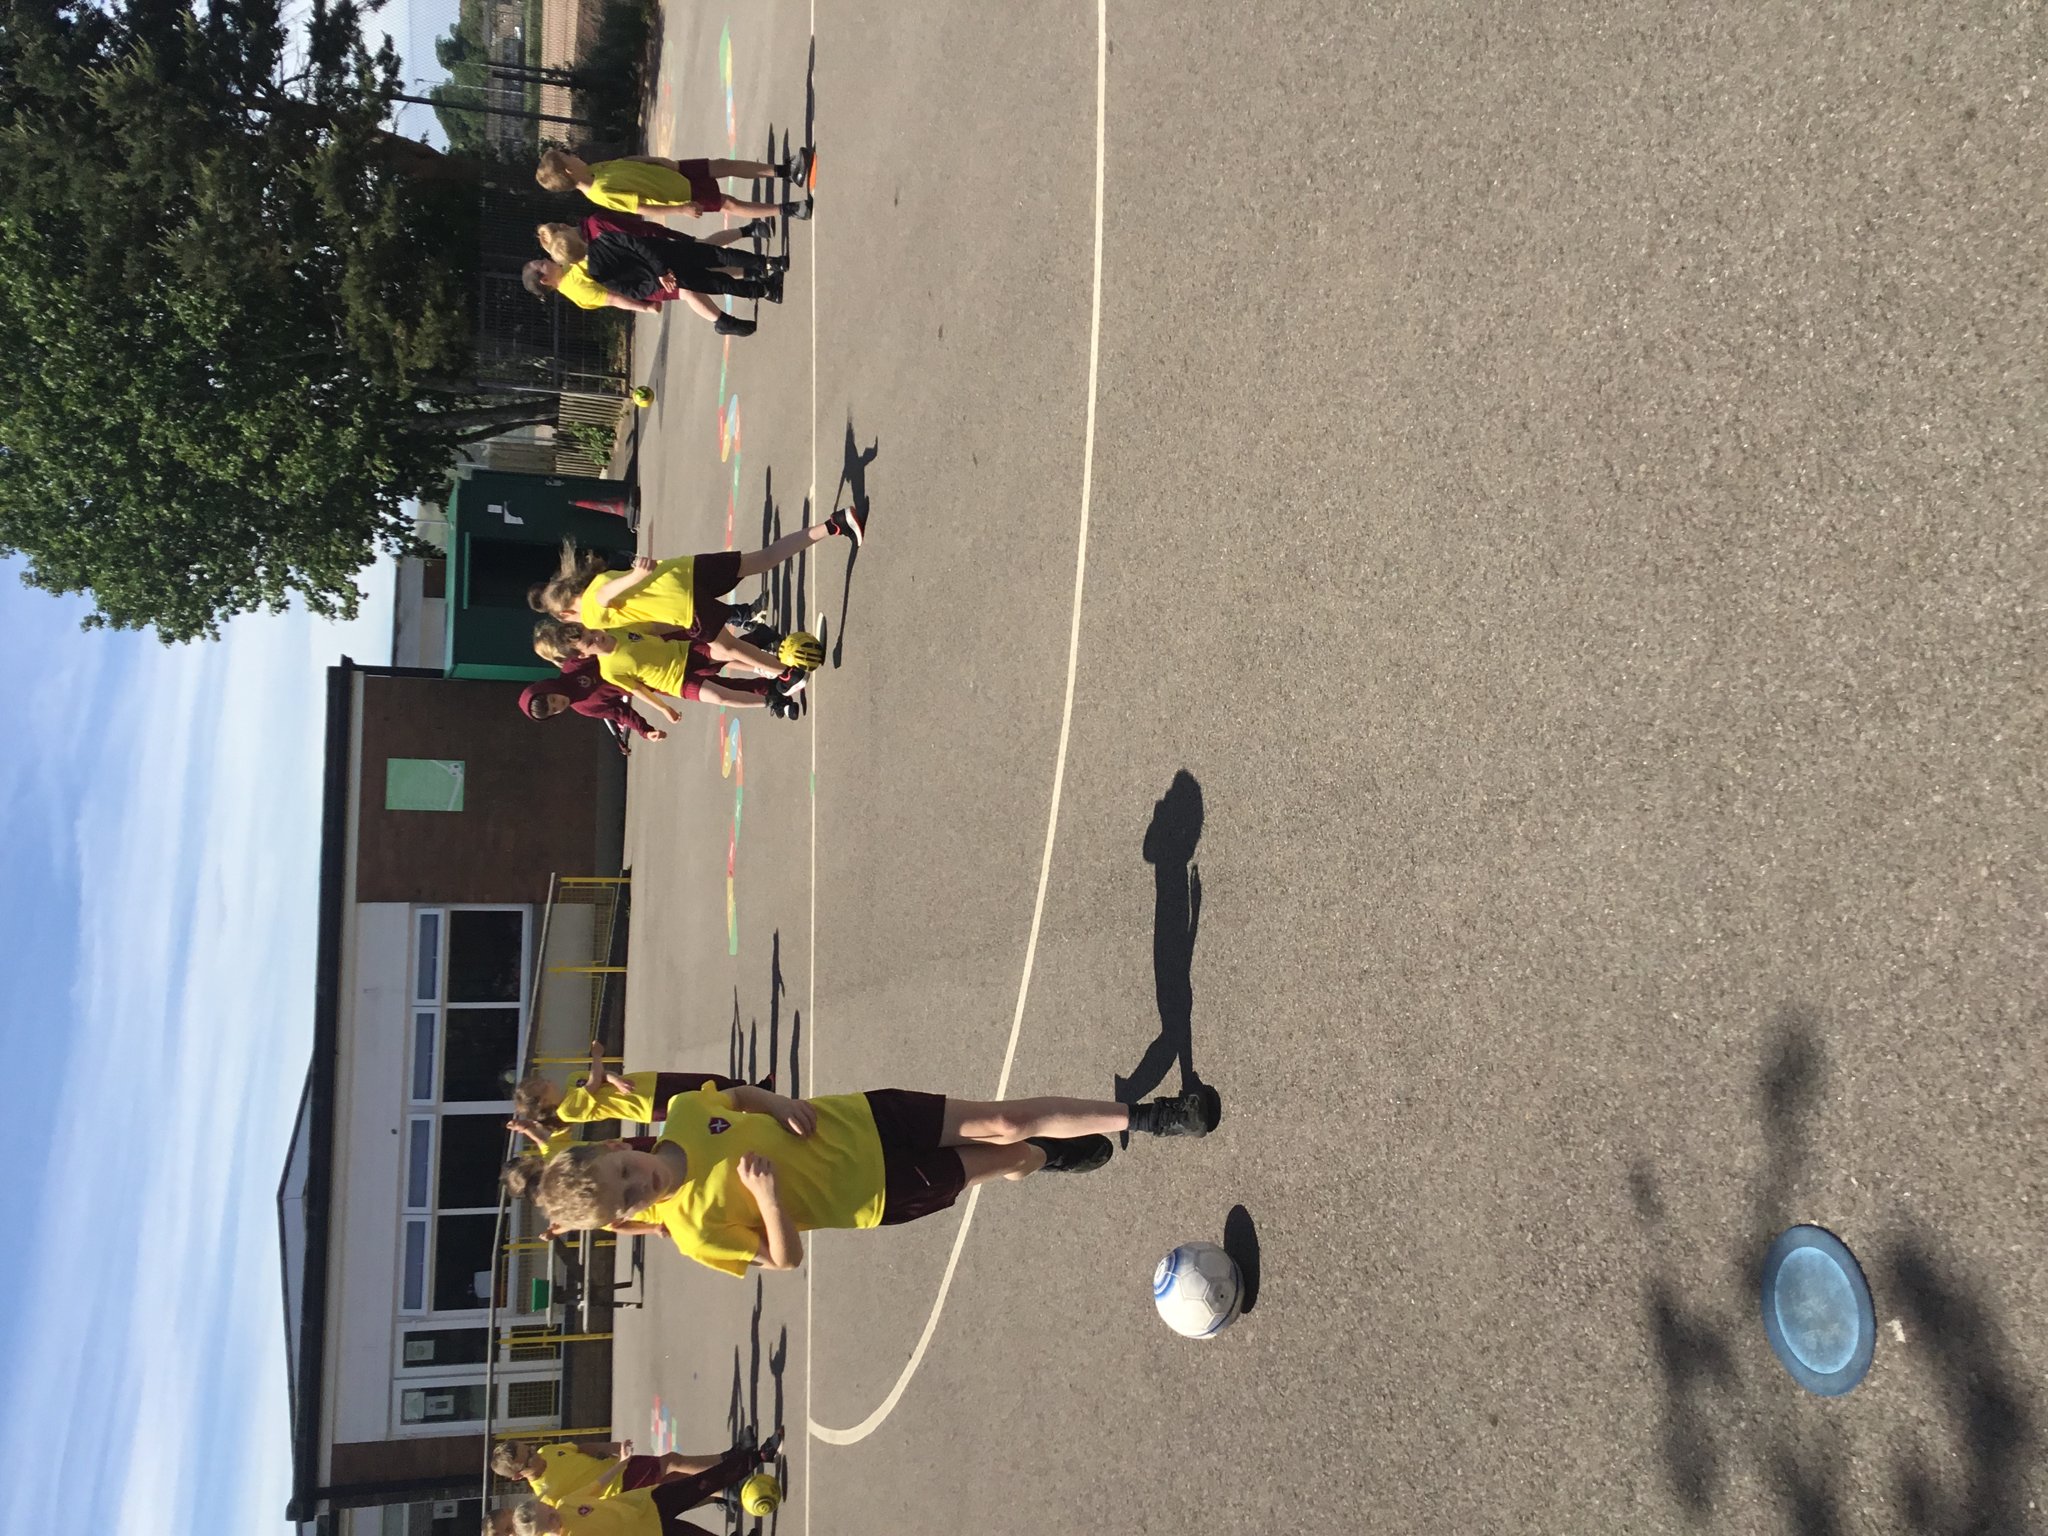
(594, 971)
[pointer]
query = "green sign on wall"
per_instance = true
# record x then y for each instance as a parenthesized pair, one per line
(422, 784)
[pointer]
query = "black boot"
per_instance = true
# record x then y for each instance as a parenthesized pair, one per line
(1072, 1154)
(1193, 1111)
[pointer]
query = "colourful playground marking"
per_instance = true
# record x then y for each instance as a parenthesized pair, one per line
(732, 764)
(661, 1429)
(732, 757)
(732, 120)
(728, 433)
(728, 428)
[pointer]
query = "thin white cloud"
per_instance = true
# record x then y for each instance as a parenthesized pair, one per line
(61, 695)
(198, 849)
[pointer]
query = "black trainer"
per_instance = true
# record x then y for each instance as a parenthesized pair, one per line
(848, 523)
(758, 229)
(1191, 1112)
(770, 1448)
(798, 210)
(1073, 1154)
(732, 325)
(796, 170)
(782, 696)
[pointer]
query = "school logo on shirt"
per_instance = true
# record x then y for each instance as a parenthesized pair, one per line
(719, 1125)
(582, 1509)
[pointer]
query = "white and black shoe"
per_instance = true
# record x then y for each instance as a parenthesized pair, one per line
(783, 696)
(847, 522)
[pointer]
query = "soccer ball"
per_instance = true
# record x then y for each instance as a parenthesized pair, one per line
(642, 396)
(1198, 1290)
(761, 1494)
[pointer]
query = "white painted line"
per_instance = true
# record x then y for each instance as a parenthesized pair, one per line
(873, 1421)
(811, 1044)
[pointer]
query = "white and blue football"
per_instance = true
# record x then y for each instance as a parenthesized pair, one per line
(1198, 1290)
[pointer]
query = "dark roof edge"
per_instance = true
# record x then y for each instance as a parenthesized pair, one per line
(309, 1390)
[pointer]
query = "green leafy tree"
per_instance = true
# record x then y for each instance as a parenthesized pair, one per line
(234, 330)
(464, 54)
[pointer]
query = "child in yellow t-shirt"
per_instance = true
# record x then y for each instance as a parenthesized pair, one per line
(738, 1176)
(639, 1495)
(652, 186)
(543, 1109)
(556, 1471)
(657, 663)
(687, 593)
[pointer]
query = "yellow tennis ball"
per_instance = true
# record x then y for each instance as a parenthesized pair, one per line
(761, 1494)
(643, 396)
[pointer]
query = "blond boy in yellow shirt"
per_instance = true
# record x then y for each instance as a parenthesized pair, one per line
(652, 186)
(739, 1176)
(622, 1499)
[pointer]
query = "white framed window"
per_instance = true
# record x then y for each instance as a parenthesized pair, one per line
(468, 985)
(470, 976)
(412, 1268)
(456, 1405)
(427, 956)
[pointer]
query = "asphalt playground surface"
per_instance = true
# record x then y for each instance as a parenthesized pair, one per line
(1562, 580)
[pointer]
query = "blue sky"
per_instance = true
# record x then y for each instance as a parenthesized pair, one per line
(160, 811)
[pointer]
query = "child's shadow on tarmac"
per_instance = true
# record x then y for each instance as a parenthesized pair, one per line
(744, 1410)
(853, 485)
(1169, 847)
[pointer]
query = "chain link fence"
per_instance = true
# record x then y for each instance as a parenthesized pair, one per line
(500, 80)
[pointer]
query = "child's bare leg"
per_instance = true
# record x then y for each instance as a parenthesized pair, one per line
(727, 697)
(984, 1162)
(1007, 1121)
(754, 562)
(745, 208)
(729, 648)
(702, 305)
(676, 1464)
(753, 170)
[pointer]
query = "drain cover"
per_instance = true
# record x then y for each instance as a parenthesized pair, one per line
(1817, 1311)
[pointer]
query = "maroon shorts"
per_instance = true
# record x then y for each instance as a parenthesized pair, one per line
(918, 1175)
(704, 190)
(640, 1472)
(712, 577)
(697, 671)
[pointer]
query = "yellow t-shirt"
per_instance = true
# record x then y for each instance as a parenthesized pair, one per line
(631, 1513)
(646, 661)
(581, 289)
(627, 186)
(582, 1104)
(830, 1178)
(568, 1472)
(668, 596)
(561, 1141)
